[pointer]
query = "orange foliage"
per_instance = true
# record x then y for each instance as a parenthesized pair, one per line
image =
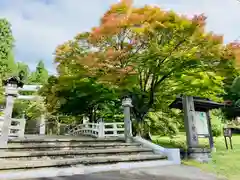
(123, 31)
(234, 49)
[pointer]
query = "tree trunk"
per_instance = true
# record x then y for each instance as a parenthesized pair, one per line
(146, 134)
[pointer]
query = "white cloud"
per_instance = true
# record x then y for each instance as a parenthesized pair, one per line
(39, 27)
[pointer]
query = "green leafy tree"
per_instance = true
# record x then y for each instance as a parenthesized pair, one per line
(40, 76)
(6, 45)
(74, 96)
(11, 65)
(24, 70)
(148, 54)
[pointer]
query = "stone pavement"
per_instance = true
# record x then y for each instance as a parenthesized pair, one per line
(174, 172)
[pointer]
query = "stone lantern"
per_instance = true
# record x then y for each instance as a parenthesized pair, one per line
(127, 104)
(11, 91)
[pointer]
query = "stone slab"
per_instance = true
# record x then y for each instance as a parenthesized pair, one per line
(71, 152)
(46, 145)
(13, 164)
(42, 139)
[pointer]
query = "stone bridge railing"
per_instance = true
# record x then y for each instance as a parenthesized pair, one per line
(17, 127)
(99, 130)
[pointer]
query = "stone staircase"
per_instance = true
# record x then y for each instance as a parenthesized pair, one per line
(67, 151)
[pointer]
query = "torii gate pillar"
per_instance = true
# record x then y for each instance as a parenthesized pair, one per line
(11, 93)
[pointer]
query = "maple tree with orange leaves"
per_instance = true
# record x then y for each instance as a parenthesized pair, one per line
(148, 52)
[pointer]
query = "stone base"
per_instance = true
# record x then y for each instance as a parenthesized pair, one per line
(199, 154)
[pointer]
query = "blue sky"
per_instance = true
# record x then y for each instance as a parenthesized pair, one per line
(40, 25)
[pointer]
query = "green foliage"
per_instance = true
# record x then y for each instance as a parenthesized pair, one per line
(35, 109)
(31, 109)
(6, 45)
(24, 69)
(111, 111)
(40, 76)
(20, 108)
(217, 121)
(232, 95)
(217, 130)
(11, 65)
(65, 93)
(164, 123)
(235, 88)
(6, 56)
(152, 62)
(178, 141)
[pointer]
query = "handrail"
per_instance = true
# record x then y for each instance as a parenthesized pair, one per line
(99, 129)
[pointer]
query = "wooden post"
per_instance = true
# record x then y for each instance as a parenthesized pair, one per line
(225, 138)
(190, 122)
(211, 141)
(230, 139)
(227, 133)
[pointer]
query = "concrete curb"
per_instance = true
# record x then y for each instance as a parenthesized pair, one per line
(171, 153)
(77, 170)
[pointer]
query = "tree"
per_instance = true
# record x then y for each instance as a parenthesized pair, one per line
(11, 65)
(6, 45)
(148, 53)
(40, 76)
(231, 81)
(23, 69)
(65, 93)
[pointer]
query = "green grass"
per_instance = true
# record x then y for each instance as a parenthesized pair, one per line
(224, 162)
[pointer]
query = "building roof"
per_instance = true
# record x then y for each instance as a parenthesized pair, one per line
(13, 80)
(200, 104)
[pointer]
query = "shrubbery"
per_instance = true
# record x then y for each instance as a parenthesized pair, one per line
(216, 130)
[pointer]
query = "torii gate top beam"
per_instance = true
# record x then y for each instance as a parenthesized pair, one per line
(30, 88)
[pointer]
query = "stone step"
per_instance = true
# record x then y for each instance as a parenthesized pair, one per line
(28, 155)
(15, 164)
(66, 146)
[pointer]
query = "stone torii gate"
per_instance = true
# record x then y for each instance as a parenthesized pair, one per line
(12, 87)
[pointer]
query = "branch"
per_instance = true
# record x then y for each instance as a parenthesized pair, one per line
(146, 80)
(140, 79)
(174, 49)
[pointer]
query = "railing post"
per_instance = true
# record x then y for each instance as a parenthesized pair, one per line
(42, 125)
(115, 132)
(22, 127)
(101, 128)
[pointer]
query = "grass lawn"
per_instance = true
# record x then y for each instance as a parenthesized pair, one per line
(224, 162)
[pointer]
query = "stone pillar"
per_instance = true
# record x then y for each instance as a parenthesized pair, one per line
(190, 122)
(11, 92)
(42, 125)
(127, 104)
